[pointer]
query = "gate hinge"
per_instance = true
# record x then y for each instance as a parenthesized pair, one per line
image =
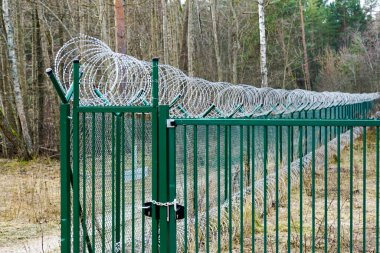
(170, 123)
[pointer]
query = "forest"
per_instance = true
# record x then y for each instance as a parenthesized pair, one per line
(308, 44)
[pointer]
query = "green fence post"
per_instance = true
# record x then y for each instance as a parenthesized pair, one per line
(172, 187)
(118, 180)
(163, 115)
(76, 218)
(154, 152)
(65, 178)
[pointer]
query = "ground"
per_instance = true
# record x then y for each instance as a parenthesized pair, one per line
(29, 210)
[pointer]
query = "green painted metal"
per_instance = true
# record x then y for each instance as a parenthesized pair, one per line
(351, 188)
(215, 168)
(313, 188)
(289, 186)
(377, 189)
(57, 86)
(300, 155)
(253, 179)
(277, 188)
(338, 191)
(364, 187)
(265, 168)
(277, 122)
(65, 178)
(76, 152)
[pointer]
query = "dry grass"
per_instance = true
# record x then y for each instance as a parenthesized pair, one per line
(332, 201)
(29, 201)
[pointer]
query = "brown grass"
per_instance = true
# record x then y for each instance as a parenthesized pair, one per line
(332, 201)
(29, 200)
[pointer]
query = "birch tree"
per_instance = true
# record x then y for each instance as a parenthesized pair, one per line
(263, 45)
(15, 79)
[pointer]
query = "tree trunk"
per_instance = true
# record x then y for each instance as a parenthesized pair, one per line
(103, 21)
(153, 30)
(235, 44)
(120, 26)
(40, 83)
(183, 59)
(263, 45)
(305, 57)
(216, 40)
(165, 31)
(190, 39)
(15, 79)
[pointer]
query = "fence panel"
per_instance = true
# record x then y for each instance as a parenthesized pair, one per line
(277, 185)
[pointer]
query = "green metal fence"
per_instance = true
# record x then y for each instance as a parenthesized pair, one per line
(308, 181)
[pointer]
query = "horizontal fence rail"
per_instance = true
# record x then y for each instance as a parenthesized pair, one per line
(136, 179)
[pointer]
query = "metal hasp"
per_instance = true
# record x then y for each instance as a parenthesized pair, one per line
(147, 209)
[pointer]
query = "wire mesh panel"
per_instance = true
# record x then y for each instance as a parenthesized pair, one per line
(245, 183)
(115, 178)
(320, 193)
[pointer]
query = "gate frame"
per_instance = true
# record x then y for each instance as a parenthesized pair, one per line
(163, 173)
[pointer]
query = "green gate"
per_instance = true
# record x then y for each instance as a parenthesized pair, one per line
(113, 161)
(129, 174)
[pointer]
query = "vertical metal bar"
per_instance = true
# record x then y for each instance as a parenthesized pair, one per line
(195, 183)
(281, 142)
(218, 176)
(241, 189)
(351, 187)
(265, 185)
(364, 185)
(338, 186)
(207, 191)
(113, 176)
(155, 157)
(306, 137)
(253, 187)
(123, 183)
(289, 186)
(133, 134)
(103, 183)
(155, 82)
(225, 163)
(301, 182)
(143, 179)
(248, 155)
(313, 187)
(229, 131)
(185, 184)
(377, 189)
(277, 189)
(163, 112)
(65, 178)
(172, 188)
(76, 216)
(118, 179)
(84, 210)
(292, 139)
(93, 178)
(326, 190)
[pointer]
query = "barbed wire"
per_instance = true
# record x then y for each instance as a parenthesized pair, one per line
(110, 78)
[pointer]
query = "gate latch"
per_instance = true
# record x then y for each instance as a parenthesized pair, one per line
(179, 209)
